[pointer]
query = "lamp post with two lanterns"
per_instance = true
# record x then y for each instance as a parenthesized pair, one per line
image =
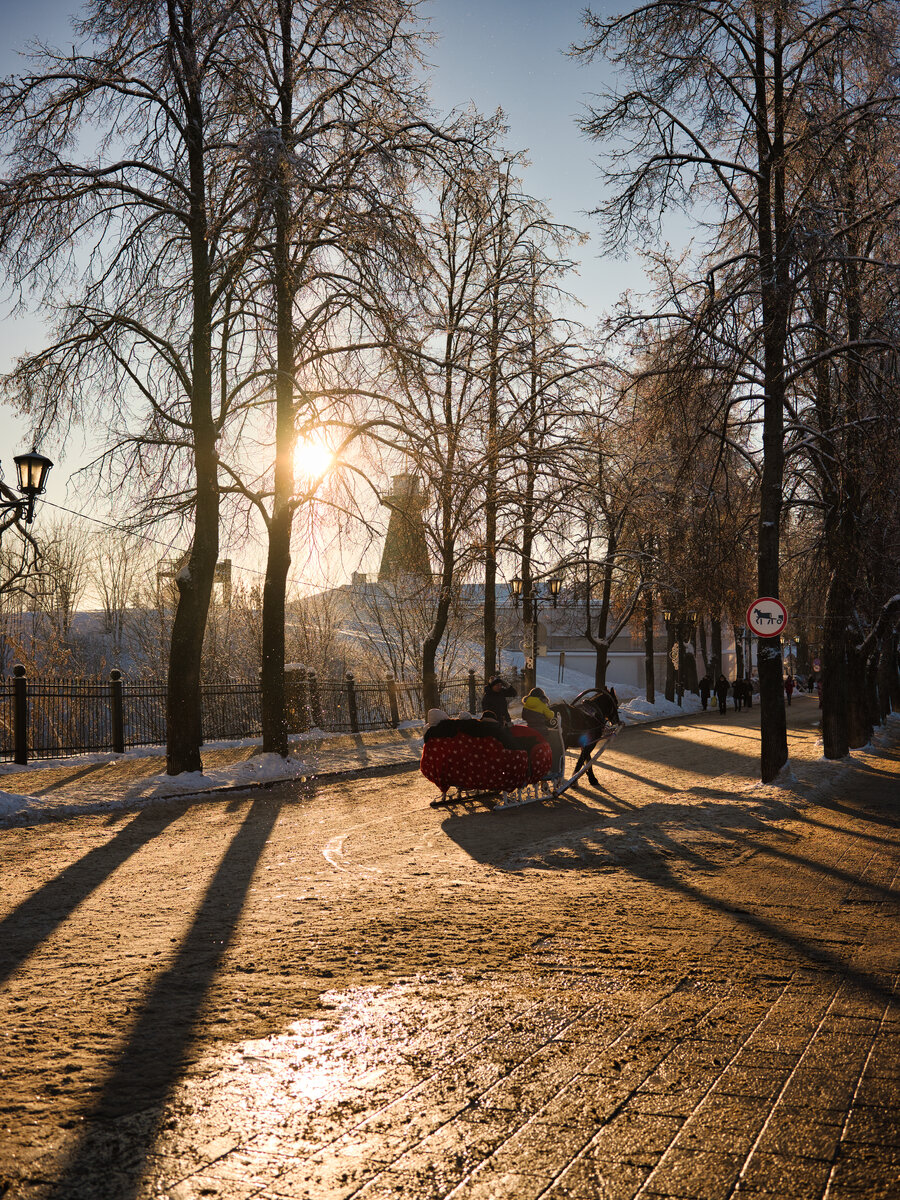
(31, 472)
(530, 645)
(680, 621)
(790, 642)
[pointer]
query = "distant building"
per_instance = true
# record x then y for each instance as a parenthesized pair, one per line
(405, 549)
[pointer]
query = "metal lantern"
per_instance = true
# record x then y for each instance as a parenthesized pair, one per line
(554, 585)
(32, 470)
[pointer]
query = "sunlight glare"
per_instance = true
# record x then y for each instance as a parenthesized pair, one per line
(312, 459)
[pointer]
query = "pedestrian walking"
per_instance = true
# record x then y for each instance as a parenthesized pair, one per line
(497, 693)
(748, 693)
(789, 688)
(722, 694)
(737, 695)
(705, 688)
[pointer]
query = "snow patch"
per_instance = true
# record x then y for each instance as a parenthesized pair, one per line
(12, 804)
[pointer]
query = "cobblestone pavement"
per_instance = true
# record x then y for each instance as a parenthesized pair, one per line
(676, 986)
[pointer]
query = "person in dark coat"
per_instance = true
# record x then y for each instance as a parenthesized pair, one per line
(737, 695)
(705, 687)
(789, 687)
(722, 694)
(496, 694)
(748, 693)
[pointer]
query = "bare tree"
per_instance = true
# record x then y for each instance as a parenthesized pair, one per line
(150, 206)
(722, 107)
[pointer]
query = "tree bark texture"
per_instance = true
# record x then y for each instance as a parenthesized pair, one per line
(184, 732)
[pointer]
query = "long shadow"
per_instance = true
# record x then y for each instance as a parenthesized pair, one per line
(649, 857)
(109, 1161)
(23, 930)
(51, 787)
(870, 984)
(727, 761)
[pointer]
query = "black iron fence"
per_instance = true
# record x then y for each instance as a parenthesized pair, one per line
(53, 718)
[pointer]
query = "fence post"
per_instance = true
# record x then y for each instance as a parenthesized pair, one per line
(392, 698)
(472, 696)
(315, 699)
(20, 716)
(351, 703)
(116, 711)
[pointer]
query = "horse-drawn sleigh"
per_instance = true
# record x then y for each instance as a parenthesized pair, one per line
(467, 761)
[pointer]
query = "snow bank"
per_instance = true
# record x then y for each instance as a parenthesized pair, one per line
(638, 711)
(262, 768)
(12, 804)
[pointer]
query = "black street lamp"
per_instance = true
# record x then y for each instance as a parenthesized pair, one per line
(681, 623)
(739, 635)
(31, 471)
(790, 642)
(515, 586)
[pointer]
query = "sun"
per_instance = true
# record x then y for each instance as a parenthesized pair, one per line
(312, 459)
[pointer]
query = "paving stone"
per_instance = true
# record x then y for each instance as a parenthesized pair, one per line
(695, 1173)
(799, 1178)
(589, 1179)
(486, 1031)
(802, 1133)
(634, 1137)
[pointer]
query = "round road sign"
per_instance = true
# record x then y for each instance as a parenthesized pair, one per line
(767, 617)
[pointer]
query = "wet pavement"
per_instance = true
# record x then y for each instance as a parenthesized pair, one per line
(676, 986)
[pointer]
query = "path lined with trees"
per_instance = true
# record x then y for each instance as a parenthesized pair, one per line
(280, 241)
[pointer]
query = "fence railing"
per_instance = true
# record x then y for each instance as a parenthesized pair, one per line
(55, 718)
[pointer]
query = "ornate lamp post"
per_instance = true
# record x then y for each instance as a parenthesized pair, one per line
(743, 666)
(530, 642)
(790, 642)
(681, 622)
(31, 471)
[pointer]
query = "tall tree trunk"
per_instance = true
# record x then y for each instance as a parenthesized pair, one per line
(716, 640)
(894, 676)
(775, 284)
(493, 457)
(184, 726)
(278, 562)
(430, 690)
(649, 662)
(835, 688)
(859, 722)
(529, 612)
(670, 666)
(704, 653)
(883, 679)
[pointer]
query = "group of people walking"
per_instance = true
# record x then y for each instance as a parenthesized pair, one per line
(741, 691)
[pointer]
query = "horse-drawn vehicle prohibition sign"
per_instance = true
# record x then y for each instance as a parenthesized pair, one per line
(767, 617)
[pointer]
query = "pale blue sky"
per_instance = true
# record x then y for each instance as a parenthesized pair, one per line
(495, 53)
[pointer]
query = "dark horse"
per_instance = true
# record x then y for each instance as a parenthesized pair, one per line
(584, 720)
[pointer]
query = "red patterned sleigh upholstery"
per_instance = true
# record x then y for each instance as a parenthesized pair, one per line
(483, 764)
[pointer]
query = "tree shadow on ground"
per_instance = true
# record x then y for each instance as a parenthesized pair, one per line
(120, 1131)
(635, 842)
(35, 919)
